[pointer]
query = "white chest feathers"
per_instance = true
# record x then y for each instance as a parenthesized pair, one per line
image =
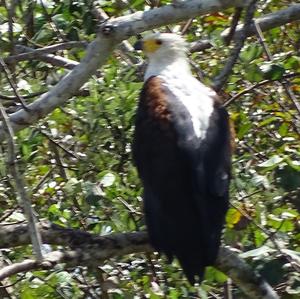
(194, 96)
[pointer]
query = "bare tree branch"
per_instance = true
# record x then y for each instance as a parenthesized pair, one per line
(20, 185)
(270, 21)
(252, 284)
(49, 58)
(200, 45)
(121, 28)
(36, 53)
(124, 46)
(98, 51)
(223, 76)
(13, 98)
(92, 250)
(267, 22)
(5, 285)
(234, 22)
(12, 84)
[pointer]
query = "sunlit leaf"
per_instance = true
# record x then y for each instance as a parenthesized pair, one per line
(272, 162)
(272, 71)
(251, 52)
(108, 179)
(261, 251)
(288, 177)
(233, 216)
(253, 73)
(244, 129)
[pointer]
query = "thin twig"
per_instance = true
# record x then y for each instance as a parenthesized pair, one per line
(285, 85)
(59, 161)
(228, 289)
(34, 53)
(42, 180)
(46, 57)
(14, 283)
(8, 213)
(99, 273)
(186, 26)
(10, 13)
(52, 23)
(3, 292)
(29, 96)
(87, 289)
(271, 237)
(20, 185)
(252, 87)
(222, 78)
(67, 151)
(235, 20)
(269, 21)
(12, 84)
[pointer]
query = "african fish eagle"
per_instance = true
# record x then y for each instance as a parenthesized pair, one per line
(181, 149)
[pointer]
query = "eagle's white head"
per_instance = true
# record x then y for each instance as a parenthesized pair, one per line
(158, 45)
(165, 51)
(168, 61)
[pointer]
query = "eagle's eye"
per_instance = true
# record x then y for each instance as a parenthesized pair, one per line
(158, 42)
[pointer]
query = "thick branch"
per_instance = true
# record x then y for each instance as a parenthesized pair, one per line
(243, 276)
(270, 21)
(99, 50)
(92, 250)
(122, 28)
(36, 53)
(43, 56)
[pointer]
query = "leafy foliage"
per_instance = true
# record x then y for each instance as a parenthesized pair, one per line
(77, 161)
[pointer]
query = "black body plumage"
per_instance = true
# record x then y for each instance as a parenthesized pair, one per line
(185, 179)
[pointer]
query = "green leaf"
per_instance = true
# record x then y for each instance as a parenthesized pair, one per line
(288, 178)
(54, 209)
(244, 129)
(292, 62)
(268, 121)
(272, 71)
(72, 186)
(286, 226)
(212, 273)
(174, 294)
(253, 73)
(93, 193)
(260, 180)
(261, 251)
(251, 52)
(108, 179)
(272, 270)
(272, 162)
(260, 237)
(233, 216)
(283, 129)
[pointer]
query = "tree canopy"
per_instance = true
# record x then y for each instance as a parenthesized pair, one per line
(66, 137)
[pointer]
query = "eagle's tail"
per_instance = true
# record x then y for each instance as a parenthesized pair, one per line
(192, 266)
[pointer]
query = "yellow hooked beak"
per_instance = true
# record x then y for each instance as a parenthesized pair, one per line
(148, 46)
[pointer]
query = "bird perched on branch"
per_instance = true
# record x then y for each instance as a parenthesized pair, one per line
(182, 151)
